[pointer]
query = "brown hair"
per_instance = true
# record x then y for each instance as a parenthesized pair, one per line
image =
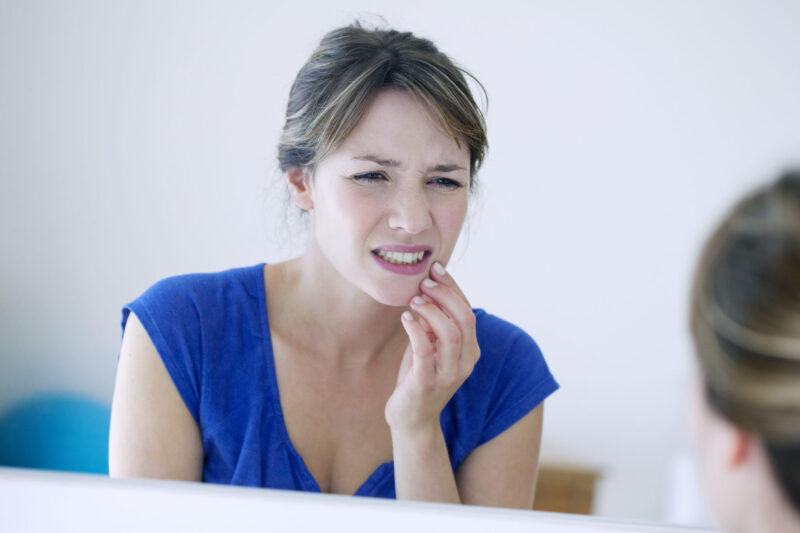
(745, 320)
(351, 64)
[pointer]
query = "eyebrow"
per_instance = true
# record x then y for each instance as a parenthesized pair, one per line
(384, 162)
(378, 160)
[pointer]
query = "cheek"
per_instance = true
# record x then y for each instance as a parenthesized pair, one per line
(450, 218)
(352, 201)
(344, 211)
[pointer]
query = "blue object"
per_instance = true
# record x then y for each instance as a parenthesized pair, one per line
(212, 333)
(56, 431)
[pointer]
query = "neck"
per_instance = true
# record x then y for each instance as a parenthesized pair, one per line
(775, 515)
(347, 324)
(771, 510)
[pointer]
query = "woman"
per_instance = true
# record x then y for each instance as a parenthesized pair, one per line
(359, 367)
(746, 328)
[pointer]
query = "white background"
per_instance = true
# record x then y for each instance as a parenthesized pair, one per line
(137, 141)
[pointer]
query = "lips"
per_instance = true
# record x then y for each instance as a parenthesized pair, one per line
(402, 259)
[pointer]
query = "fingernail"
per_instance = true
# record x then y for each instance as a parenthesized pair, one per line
(427, 282)
(439, 269)
(417, 300)
(406, 316)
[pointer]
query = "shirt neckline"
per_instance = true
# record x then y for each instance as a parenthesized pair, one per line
(310, 482)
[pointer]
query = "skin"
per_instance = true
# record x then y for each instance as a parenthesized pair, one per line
(742, 491)
(352, 401)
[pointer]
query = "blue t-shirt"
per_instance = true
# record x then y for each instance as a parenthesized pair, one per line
(212, 332)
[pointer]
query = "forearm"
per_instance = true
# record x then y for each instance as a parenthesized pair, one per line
(422, 469)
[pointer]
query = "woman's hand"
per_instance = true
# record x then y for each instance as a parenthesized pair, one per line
(441, 353)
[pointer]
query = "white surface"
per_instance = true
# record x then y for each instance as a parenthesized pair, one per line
(34, 503)
(137, 141)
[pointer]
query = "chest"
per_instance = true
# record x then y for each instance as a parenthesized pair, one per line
(334, 417)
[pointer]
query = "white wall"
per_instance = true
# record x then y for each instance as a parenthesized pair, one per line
(137, 141)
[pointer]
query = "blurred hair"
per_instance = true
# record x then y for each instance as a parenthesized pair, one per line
(351, 65)
(745, 320)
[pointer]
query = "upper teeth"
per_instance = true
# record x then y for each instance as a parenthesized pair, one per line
(406, 258)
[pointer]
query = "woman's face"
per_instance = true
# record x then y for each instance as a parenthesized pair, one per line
(390, 200)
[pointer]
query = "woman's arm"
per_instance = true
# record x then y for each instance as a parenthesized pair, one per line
(422, 470)
(499, 473)
(502, 472)
(442, 352)
(153, 434)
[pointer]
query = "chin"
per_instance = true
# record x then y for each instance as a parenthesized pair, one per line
(399, 297)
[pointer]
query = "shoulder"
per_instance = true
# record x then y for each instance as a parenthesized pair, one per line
(500, 338)
(508, 353)
(188, 296)
(511, 363)
(198, 287)
(509, 380)
(195, 320)
(175, 310)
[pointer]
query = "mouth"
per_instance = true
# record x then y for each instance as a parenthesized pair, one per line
(402, 258)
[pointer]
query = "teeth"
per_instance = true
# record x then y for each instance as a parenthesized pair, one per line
(401, 258)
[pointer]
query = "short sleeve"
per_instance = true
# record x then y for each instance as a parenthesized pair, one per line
(523, 382)
(509, 380)
(170, 316)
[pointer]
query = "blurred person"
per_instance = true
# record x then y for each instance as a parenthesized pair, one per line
(745, 321)
(359, 367)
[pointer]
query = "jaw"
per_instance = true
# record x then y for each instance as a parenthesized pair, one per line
(396, 296)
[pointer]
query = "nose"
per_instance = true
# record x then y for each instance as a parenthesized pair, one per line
(410, 211)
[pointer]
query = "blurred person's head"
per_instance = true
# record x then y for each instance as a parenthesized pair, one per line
(745, 320)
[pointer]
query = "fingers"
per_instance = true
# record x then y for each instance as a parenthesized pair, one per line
(446, 294)
(449, 298)
(444, 315)
(405, 363)
(440, 275)
(425, 326)
(448, 337)
(423, 362)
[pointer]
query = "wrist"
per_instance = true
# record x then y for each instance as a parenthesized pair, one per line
(418, 435)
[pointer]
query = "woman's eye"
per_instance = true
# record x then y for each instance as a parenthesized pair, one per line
(445, 183)
(369, 176)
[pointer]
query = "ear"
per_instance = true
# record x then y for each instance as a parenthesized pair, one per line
(738, 446)
(721, 441)
(299, 181)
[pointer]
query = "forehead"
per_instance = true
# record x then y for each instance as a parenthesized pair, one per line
(396, 126)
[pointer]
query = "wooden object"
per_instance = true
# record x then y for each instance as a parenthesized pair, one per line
(565, 490)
